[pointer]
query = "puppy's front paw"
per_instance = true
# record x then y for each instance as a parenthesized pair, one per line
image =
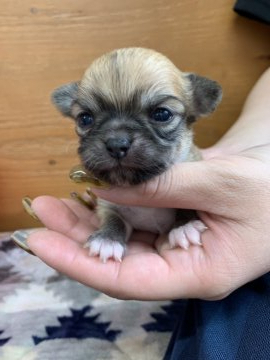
(105, 248)
(187, 234)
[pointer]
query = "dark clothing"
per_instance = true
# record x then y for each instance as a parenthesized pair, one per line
(254, 9)
(235, 328)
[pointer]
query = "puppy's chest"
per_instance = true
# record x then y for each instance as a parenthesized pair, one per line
(156, 220)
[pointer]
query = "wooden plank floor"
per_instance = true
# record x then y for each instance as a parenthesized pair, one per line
(44, 44)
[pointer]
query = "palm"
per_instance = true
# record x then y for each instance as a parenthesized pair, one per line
(149, 270)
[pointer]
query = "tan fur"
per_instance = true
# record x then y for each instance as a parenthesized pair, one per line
(143, 69)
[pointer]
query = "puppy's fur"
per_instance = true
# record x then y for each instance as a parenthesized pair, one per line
(134, 112)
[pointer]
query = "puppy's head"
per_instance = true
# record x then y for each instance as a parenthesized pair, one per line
(133, 111)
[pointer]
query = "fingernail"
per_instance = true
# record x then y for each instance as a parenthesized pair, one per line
(27, 202)
(98, 184)
(79, 175)
(20, 239)
(90, 204)
(93, 196)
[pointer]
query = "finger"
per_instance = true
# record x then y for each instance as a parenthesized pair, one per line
(145, 276)
(69, 257)
(65, 216)
(82, 212)
(197, 185)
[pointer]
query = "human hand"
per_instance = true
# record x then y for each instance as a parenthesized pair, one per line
(231, 193)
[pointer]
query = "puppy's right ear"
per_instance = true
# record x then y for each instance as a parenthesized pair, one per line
(64, 96)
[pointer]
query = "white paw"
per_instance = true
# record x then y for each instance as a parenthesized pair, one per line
(105, 248)
(187, 234)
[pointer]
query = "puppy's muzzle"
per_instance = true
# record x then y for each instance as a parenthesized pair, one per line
(118, 147)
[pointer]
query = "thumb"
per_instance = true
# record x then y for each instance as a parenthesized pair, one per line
(194, 185)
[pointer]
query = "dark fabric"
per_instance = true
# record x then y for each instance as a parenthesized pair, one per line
(235, 328)
(254, 9)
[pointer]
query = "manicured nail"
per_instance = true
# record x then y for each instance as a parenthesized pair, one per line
(93, 197)
(20, 239)
(79, 175)
(90, 204)
(27, 202)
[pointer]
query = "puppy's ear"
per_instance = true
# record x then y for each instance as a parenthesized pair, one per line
(206, 94)
(64, 96)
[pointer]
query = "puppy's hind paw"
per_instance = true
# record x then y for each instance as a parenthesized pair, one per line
(105, 248)
(188, 234)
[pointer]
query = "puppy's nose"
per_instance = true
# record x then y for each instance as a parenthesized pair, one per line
(118, 147)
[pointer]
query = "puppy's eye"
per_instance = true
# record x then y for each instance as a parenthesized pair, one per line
(85, 120)
(161, 114)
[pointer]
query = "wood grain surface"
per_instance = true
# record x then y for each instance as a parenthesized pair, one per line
(47, 43)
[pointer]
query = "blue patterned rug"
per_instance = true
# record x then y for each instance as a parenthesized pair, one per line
(45, 315)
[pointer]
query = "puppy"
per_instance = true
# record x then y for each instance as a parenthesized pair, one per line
(134, 111)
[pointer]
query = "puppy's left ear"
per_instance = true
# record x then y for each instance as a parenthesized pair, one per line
(64, 96)
(206, 94)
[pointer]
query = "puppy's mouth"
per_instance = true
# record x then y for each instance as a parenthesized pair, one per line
(123, 173)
